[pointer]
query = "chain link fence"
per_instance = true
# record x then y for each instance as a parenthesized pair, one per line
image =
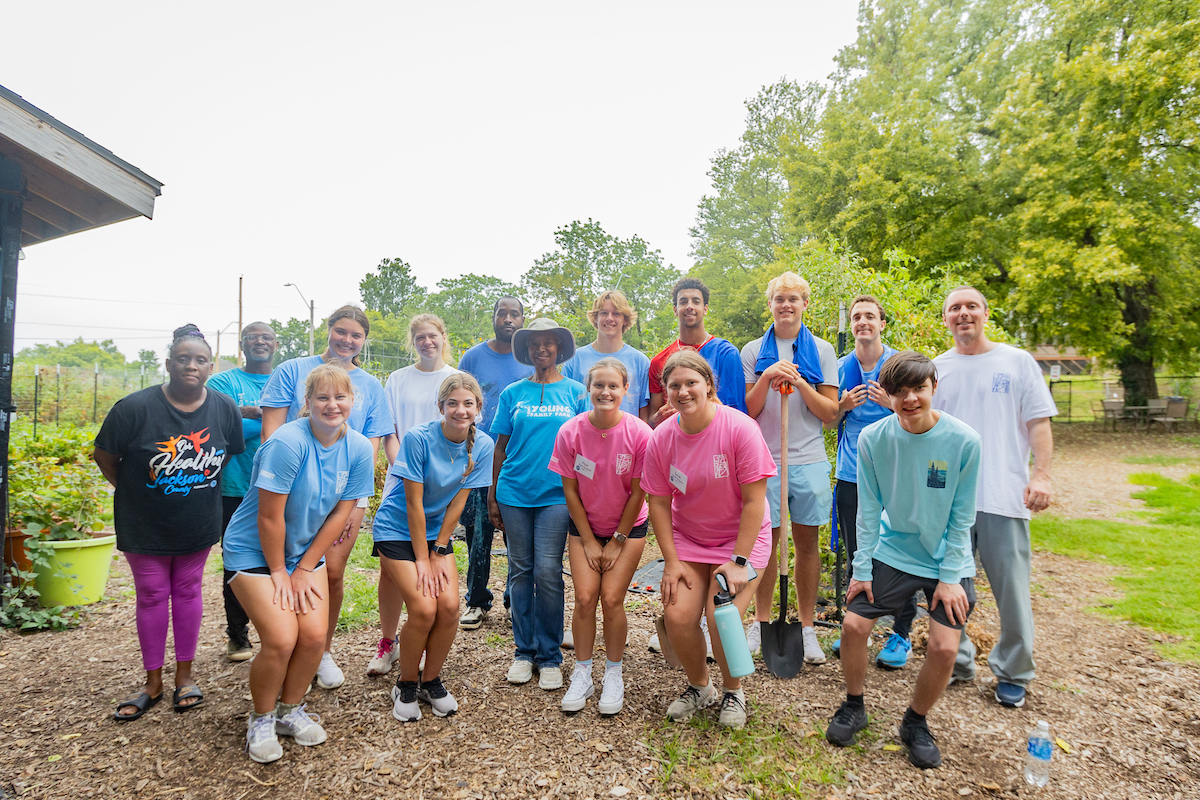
(1079, 398)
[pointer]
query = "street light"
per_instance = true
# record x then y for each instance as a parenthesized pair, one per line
(311, 317)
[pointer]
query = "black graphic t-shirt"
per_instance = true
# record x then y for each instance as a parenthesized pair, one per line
(168, 498)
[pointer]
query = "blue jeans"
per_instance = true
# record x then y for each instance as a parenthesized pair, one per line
(536, 539)
(479, 531)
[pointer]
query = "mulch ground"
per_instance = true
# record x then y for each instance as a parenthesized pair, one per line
(1132, 720)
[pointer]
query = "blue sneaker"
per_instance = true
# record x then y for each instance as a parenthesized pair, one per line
(836, 649)
(894, 654)
(1010, 695)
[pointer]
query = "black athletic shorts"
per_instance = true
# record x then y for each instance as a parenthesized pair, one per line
(638, 532)
(400, 551)
(891, 589)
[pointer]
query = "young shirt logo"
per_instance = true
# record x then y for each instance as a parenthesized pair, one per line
(343, 477)
(624, 463)
(1001, 381)
(936, 477)
(720, 466)
(182, 464)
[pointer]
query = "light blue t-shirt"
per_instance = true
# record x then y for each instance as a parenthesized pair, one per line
(916, 499)
(313, 477)
(530, 414)
(245, 388)
(637, 362)
(857, 418)
(428, 457)
(495, 373)
(371, 416)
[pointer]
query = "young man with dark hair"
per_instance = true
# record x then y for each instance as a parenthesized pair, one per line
(1000, 392)
(493, 365)
(690, 298)
(921, 467)
(863, 402)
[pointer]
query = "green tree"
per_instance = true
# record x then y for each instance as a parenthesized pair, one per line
(76, 354)
(465, 304)
(150, 360)
(293, 339)
(392, 290)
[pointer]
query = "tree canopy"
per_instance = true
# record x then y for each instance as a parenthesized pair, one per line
(79, 354)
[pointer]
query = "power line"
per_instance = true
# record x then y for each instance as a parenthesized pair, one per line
(90, 325)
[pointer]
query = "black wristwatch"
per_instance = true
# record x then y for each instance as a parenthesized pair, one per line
(741, 561)
(442, 549)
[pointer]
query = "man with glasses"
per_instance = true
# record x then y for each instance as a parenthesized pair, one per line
(244, 385)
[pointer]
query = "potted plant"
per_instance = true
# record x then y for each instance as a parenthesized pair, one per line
(57, 499)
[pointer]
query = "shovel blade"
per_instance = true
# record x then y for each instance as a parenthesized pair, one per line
(660, 624)
(783, 648)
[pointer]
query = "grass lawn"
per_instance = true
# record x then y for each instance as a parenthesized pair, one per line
(1159, 579)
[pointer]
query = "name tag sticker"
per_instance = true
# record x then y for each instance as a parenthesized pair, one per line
(584, 467)
(678, 479)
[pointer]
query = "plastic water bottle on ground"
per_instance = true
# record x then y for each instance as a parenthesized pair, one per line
(1038, 755)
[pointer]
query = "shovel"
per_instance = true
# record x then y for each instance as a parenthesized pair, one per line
(783, 641)
(660, 624)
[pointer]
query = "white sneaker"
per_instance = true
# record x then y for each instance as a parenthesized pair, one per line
(520, 672)
(612, 697)
(813, 654)
(440, 700)
(300, 726)
(654, 645)
(568, 642)
(261, 742)
(404, 702)
(733, 710)
(385, 658)
(579, 692)
(550, 678)
(329, 675)
(754, 636)
(708, 653)
(473, 618)
(691, 701)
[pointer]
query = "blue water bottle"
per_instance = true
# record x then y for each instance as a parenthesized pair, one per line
(729, 628)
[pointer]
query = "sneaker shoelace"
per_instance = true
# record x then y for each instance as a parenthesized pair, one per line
(731, 699)
(691, 695)
(298, 717)
(845, 714)
(920, 735)
(385, 648)
(434, 688)
(261, 729)
(408, 691)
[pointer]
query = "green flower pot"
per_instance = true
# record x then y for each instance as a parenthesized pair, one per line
(78, 573)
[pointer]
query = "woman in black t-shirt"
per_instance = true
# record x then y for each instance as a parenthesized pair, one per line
(163, 449)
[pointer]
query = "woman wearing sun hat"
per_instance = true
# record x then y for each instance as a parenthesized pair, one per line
(526, 500)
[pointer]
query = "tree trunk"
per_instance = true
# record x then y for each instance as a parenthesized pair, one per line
(1136, 360)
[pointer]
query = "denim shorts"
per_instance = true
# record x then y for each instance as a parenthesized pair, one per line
(810, 497)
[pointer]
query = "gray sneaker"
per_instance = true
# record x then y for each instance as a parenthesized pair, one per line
(691, 701)
(261, 742)
(733, 710)
(300, 726)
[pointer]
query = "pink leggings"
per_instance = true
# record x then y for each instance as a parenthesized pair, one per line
(163, 580)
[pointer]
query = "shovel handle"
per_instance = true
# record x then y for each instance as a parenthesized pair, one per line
(785, 527)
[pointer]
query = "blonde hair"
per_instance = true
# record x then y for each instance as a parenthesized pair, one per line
(689, 359)
(435, 321)
(620, 302)
(462, 380)
(608, 363)
(331, 374)
(788, 280)
(355, 314)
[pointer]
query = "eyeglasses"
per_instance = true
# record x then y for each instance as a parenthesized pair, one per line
(258, 337)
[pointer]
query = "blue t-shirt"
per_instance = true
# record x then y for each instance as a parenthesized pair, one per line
(530, 414)
(313, 477)
(857, 418)
(429, 458)
(726, 363)
(637, 362)
(495, 372)
(245, 388)
(916, 499)
(372, 417)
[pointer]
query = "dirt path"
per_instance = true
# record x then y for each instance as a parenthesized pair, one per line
(1132, 720)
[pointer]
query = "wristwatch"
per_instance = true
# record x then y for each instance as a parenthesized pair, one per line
(741, 561)
(442, 549)
(621, 537)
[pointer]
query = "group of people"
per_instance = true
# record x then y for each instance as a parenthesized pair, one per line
(582, 449)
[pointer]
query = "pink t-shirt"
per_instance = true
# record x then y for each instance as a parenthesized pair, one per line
(605, 462)
(703, 474)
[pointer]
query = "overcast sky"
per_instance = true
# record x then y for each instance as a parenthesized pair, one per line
(305, 142)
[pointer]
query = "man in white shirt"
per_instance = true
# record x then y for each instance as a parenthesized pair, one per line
(999, 391)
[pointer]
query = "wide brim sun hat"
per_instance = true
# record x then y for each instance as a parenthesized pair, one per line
(520, 340)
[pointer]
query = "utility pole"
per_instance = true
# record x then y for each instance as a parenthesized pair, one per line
(239, 338)
(312, 321)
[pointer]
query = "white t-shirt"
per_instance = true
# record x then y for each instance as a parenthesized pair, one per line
(412, 397)
(997, 393)
(806, 443)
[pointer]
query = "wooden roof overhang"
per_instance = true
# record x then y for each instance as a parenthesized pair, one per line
(72, 184)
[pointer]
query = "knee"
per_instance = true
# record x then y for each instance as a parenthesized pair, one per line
(856, 627)
(422, 616)
(447, 607)
(279, 645)
(336, 580)
(310, 639)
(548, 573)
(676, 616)
(612, 602)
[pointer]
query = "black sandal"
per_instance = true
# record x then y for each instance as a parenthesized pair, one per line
(186, 693)
(142, 702)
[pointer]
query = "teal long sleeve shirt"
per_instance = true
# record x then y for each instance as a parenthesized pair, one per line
(916, 499)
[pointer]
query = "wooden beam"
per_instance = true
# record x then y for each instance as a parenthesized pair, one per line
(33, 228)
(52, 214)
(76, 159)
